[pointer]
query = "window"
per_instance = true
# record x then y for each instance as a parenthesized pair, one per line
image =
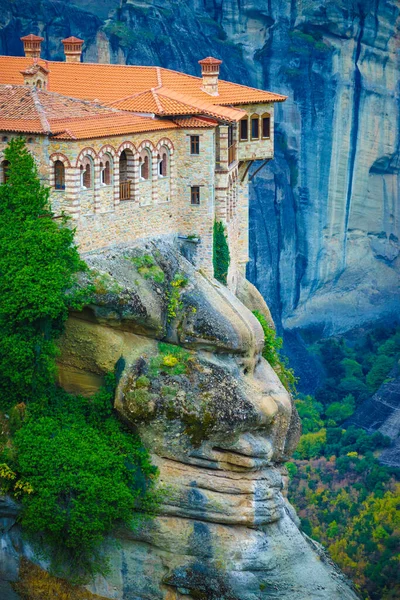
(194, 144)
(4, 138)
(86, 176)
(163, 163)
(244, 129)
(59, 175)
(195, 195)
(5, 165)
(255, 129)
(144, 165)
(105, 173)
(266, 126)
(39, 84)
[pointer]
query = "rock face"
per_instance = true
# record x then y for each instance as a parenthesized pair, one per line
(218, 423)
(325, 213)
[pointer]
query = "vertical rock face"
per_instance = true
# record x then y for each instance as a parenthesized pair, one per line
(325, 212)
(219, 425)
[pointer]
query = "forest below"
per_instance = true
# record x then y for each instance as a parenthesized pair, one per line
(345, 498)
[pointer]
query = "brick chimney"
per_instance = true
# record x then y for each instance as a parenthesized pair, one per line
(210, 71)
(72, 49)
(32, 45)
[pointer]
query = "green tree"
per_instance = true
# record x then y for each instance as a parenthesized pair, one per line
(352, 368)
(340, 411)
(380, 370)
(221, 256)
(310, 413)
(311, 444)
(38, 264)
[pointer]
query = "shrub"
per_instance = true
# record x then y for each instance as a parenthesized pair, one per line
(272, 345)
(221, 256)
(88, 474)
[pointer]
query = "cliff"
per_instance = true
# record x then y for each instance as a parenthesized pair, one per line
(218, 423)
(324, 214)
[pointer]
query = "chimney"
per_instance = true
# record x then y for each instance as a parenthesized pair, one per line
(72, 49)
(210, 71)
(32, 45)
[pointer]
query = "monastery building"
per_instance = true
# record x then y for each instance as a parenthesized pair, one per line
(133, 152)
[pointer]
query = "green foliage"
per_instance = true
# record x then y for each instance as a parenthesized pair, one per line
(221, 255)
(171, 360)
(88, 474)
(174, 296)
(350, 505)
(340, 411)
(272, 346)
(148, 268)
(311, 444)
(292, 469)
(310, 413)
(38, 264)
(380, 370)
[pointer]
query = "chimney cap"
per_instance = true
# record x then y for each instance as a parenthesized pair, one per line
(32, 38)
(210, 60)
(72, 40)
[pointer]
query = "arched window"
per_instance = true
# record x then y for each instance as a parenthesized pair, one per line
(39, 84)
(163, 163)
(255, 127)
(144, 165)
(244, 129)
(86, 173)
(5, 165)
(266, 126)
(105, 172)
(59, 175)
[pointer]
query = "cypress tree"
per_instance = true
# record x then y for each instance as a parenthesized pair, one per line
(38, 264)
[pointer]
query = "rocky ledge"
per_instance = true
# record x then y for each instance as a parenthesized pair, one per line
(219, 425)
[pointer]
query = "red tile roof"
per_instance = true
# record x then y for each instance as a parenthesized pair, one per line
(109, 83)
(210, 60)
(72, 40)
(164, 101)
(32, 38)
(26, 109)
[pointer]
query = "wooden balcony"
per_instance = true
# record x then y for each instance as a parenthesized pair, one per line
(125, 190)
(232, 153)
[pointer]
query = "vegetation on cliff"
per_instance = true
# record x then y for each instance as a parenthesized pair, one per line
(221, 257)
(271, 353)
(345, 498)
(77, 471)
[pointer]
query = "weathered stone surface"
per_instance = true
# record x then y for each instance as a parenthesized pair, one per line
(219, 433)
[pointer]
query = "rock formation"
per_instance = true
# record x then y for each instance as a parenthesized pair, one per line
(219, 425)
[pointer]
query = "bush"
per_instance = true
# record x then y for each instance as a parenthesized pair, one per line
(272, 345)
(221, 256)
(87, 473)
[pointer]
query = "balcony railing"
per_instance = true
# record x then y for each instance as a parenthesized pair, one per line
(232, 153)
(125, 190)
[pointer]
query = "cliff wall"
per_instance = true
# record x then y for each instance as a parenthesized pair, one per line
(325, 213)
